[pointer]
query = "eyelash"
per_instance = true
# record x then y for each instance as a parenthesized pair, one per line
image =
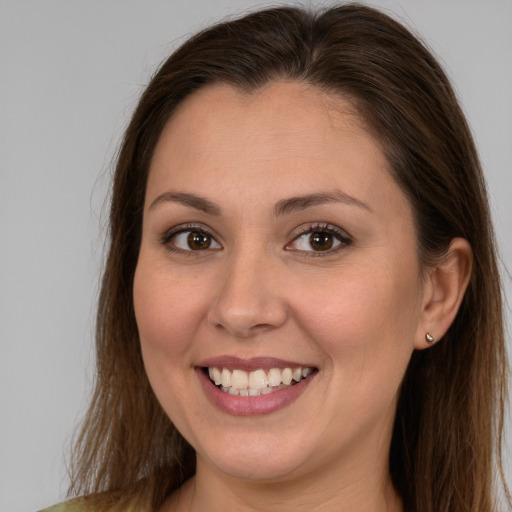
(166, 239)
(341, 236)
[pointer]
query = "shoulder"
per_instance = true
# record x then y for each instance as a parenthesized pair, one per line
(69, 506)
(90, 504)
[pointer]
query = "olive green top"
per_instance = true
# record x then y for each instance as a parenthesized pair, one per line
(69, 506)
(76, 505)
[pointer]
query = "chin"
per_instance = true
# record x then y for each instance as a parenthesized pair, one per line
(258, 468)
(259, 458)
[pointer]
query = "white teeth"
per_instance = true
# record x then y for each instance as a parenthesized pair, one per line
(306, 372)
(239, 379)
(287, 376)
(225, 378)
(255, 383)
(257, 379)
(274, 377)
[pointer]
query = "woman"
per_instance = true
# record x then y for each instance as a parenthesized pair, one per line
(301, 306)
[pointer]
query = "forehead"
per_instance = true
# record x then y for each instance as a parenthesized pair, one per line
(285, 139)
(277, 106)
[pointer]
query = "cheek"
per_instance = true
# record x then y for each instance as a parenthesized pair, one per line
(167, 312)
(364, 327)
(364, 317)
(168, 315)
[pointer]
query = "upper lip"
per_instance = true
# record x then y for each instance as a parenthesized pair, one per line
(251, 364)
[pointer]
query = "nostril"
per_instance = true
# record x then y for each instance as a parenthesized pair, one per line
(245, 323)
(243, 331)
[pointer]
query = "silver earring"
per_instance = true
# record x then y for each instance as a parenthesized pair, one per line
(430, 339)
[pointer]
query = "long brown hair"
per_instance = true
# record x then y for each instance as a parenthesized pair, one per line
(451, 407)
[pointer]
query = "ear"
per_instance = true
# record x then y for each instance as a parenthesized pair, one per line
(444, 288)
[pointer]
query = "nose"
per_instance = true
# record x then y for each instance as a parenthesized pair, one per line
(250, 298)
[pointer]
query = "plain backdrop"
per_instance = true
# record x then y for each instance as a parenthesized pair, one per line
(70, 74)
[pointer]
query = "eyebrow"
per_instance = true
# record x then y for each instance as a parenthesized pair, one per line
(283, 207)
(187, 199)
(294, 204)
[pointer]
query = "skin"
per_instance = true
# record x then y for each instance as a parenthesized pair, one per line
(355, 312)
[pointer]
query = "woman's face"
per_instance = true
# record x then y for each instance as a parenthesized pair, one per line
(279, 256)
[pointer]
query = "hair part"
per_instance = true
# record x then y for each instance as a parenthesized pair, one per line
(451, 406)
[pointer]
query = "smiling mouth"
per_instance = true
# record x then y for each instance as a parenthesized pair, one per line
(258, 382)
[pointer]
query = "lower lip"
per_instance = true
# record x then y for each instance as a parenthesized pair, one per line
(252, 405)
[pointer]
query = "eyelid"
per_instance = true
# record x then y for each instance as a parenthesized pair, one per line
(343, 237)
(167, 236)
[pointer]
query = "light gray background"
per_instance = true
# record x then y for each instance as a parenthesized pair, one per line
(70, 74)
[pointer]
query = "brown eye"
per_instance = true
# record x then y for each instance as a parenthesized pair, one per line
(198, 241)
(321, 241)
(191, 240)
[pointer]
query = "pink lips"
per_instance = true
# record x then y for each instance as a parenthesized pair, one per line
(255, 405)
